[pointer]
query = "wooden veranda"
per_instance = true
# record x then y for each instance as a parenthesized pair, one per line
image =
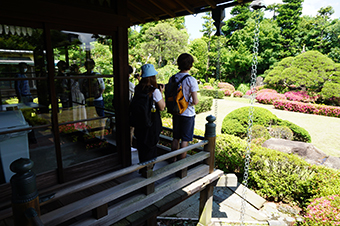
(105, 190)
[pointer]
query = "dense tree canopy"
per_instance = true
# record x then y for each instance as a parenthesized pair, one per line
(311, 71)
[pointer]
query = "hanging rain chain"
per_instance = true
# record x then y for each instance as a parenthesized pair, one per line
(217, 72)
(251, 111)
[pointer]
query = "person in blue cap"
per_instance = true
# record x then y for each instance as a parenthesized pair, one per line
(148, 137)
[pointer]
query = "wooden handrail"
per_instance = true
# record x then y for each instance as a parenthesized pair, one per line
(84, 205)
(119, 173)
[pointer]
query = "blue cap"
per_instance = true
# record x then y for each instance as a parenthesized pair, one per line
(148, 70)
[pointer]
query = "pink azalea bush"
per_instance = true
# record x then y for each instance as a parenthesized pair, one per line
(268, 96)
(226, 86)
(208, 87)
(323, 211)
(237, 94)
(301, 96)
(227, 92)
(308, 108)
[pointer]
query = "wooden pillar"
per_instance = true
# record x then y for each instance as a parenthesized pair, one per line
(206, 195)
(121, 86)
(24, 191)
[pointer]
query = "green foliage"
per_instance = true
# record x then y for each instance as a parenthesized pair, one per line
(204, 104)
(311, 70)
(165, 73)
(299, 133)
(108, 101)
(217, 94)
(229, 154)
(240, 15)
(281, 132)
(278, 176)
(236, 123)
(243, 87)
(259, 131)
(164, 42)
(275, 175)
(199, 49)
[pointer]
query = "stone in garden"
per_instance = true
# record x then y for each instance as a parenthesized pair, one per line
(333, 162)
(307, 151)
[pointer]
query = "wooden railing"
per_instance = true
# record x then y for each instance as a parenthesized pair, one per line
(107, 206)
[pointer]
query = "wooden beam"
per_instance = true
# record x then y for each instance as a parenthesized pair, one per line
(143, 9)
(186, 6)
(211, 3)
(133, 17)
(164, 9)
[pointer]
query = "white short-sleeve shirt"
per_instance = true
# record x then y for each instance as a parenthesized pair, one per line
(157, 95)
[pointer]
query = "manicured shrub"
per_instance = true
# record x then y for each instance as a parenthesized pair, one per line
(281, 132)
(259, 131)
(217, 94)
(278, 176)
(237, 94)
(275, 175)
(229, 154)
(299, 133)
(204, 104)
(268, 96)
(236, 123)
(323, 211)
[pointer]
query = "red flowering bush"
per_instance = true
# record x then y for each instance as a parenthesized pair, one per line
(237, 94)
(301, 96)
(323, 211)
(315, 109)
(268, 96)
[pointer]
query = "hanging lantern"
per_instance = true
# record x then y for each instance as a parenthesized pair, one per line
(18, 30)
(6, 28)
(29, 31)
(12, 29)
(24, 31)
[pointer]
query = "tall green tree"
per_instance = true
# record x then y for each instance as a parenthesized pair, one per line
(288, 19)
(199, 49)
(273, 8)
(208, 30)
(240, 13)
(164, 42)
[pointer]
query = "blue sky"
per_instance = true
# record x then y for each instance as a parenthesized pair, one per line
(194, 23)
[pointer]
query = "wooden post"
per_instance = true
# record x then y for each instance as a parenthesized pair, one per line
(210, 135)
(147, 173)
(24, 191)
(206, 195)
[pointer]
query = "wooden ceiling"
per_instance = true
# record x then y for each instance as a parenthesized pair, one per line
(142, 11)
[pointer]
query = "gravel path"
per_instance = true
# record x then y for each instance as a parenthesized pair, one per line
(325, 131)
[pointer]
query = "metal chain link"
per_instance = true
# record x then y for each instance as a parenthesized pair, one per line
(217, 72)
(251, 112)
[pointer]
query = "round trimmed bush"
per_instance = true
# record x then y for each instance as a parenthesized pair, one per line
(259, 131)
(236, 123)
(282, 132)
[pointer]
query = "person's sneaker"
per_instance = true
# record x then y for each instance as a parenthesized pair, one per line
(133, 149)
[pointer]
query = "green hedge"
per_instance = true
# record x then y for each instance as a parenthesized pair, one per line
(236, 123)
(275, 175)
(212, 93)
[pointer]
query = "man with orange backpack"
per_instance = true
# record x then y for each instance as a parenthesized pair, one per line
(184, 123)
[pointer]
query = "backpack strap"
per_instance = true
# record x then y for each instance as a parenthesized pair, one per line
(184, 77)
